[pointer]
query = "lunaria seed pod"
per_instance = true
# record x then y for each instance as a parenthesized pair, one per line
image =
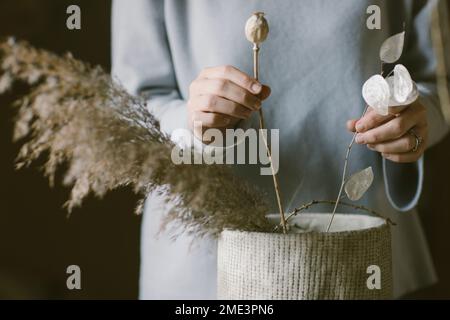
(257, 28)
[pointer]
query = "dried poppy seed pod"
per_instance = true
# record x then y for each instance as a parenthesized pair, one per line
(257, 28)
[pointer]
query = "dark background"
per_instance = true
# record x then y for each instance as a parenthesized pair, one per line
(38, 241)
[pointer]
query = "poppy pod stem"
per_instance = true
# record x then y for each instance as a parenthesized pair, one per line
(256, 61)
(256, 30)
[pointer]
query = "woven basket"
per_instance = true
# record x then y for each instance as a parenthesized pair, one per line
(307, 265)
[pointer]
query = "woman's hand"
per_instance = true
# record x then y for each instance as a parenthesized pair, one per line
(400, 136)
(222, 96)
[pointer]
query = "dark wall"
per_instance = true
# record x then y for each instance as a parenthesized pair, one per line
(38, 242)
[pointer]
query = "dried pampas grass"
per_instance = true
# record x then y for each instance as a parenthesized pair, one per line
(76, 115)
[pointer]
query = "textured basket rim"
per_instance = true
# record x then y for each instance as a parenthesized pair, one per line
(308, 265)
(383, 225)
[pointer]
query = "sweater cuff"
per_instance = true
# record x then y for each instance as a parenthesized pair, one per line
(185, 139)
(170, 111)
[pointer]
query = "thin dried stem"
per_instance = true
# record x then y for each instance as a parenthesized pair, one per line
(312, 203)
(344, 174)
(347, 155)
(269, 154)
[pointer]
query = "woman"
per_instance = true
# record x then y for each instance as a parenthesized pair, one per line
(191, 59)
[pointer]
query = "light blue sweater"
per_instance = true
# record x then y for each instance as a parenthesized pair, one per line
(316, 58)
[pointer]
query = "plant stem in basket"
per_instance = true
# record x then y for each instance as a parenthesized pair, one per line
(344, 174)
(262, 127)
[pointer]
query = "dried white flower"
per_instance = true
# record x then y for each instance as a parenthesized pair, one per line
(403, 84)
(376, 93)
(412, 96)
(396, 90)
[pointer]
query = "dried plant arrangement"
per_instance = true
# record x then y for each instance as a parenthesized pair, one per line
(75, 114)
(397, 89)
(308, 261)
(78, 115)
(256, 31)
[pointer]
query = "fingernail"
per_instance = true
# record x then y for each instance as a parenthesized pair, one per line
(359, 139)
(371, 147)
(256, 87)
(359, 127)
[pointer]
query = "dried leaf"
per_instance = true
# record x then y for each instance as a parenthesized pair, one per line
(392, 48)
(403, 84)
(413, 95)
(376, 93)
(358, 184)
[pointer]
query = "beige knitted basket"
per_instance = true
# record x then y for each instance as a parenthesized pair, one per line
(308, 265)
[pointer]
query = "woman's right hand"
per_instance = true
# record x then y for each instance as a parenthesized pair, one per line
(222, 96)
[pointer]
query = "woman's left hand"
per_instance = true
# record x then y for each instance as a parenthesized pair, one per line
(400, 136)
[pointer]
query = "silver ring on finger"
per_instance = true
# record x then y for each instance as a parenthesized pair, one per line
(417, 138)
